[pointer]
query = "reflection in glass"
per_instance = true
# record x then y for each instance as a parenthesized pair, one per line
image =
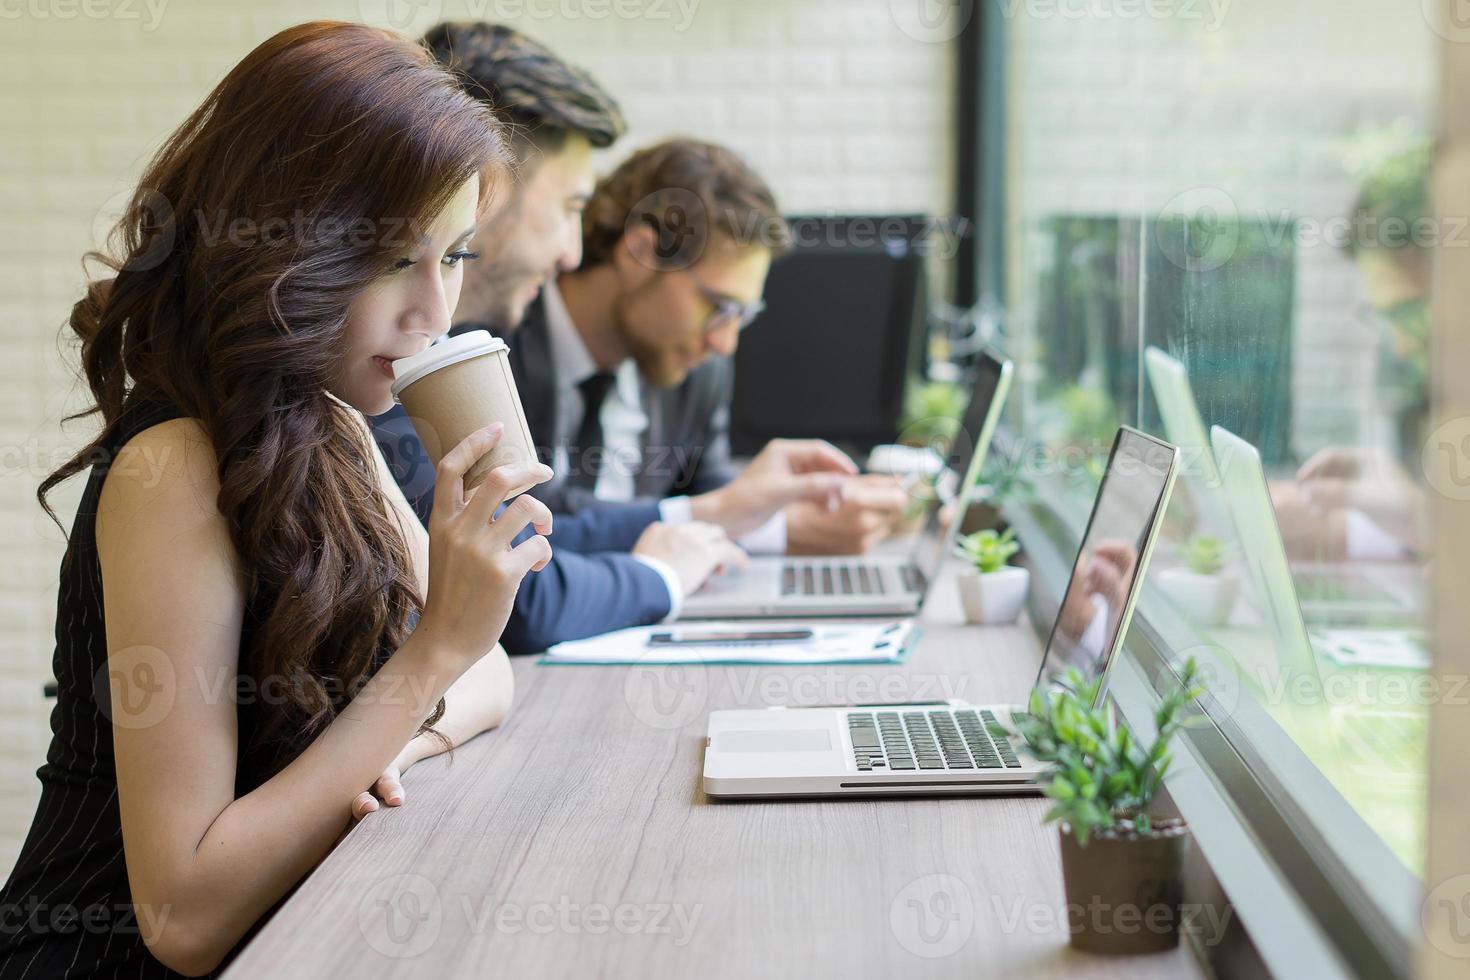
(1227, 224)
(1135, 488)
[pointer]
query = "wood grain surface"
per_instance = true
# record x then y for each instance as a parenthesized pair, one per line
(576, 842)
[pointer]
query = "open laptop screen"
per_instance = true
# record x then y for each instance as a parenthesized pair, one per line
(1114, 555)
(964, 458)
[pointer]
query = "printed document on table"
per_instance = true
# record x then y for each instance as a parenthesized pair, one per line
(831, 643)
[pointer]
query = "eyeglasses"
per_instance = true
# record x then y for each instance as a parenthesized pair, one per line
(726, 308)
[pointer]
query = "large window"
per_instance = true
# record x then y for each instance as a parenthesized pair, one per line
(1217, 217)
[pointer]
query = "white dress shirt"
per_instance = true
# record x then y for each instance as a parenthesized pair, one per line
(623, 423)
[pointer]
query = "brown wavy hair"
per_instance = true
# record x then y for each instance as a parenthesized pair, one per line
(314, 165)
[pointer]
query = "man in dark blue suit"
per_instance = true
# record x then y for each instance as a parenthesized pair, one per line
(615, 565)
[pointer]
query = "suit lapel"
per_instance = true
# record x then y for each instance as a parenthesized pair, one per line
(656, 438)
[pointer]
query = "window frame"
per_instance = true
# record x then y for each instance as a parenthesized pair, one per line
(1331, 893)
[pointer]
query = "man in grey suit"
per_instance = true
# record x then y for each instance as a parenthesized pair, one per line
(682, 448)
(625, 363)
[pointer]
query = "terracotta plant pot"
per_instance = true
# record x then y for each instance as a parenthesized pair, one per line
(1124, 889)
(994, 597)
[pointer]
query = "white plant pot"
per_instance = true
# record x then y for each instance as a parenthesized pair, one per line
(995, 597)
(1204, 599)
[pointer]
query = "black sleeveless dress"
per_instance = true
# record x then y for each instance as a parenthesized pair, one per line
(66, 910)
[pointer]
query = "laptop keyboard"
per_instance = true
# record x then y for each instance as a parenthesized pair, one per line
(843, 578)
(930, 739)
(838, 578)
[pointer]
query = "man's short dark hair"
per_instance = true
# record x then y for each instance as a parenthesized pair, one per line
(540, 96)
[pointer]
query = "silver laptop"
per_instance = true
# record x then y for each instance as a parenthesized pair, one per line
(1185, 428)
(1344, 592)
(1259, 533)
(891, 585)
(949, 748)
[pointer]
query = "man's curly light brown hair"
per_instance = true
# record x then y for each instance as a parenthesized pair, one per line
(686, 191)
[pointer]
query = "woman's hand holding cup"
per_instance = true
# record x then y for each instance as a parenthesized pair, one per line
(475, 569)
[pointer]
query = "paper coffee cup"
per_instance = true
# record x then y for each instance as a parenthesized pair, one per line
(458, 386)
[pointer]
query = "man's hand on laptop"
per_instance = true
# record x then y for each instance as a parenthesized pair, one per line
(1369, 480)
(870, 509)
(694, 551)
(784, 472)
(1309, 532)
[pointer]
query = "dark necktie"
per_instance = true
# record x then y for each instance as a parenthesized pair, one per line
(584, 462)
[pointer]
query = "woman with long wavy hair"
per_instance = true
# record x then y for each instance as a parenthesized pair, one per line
(252, 626)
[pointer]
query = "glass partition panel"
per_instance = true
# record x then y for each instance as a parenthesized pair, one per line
(1215, 216)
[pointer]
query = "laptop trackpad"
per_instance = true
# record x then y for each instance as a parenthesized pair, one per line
(788, 740)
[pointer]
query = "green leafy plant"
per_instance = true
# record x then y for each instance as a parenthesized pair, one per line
(1102, 779)
(931, 413)
(1205, 554)
(1003, 482)
(988, 550)
(1091, 418)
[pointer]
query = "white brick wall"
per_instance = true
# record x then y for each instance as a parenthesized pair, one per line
(1118, 115)
(838, 106)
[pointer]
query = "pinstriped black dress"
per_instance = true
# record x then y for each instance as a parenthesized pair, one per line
(67, 905)
(66, 909)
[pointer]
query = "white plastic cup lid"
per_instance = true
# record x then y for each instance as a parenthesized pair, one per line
(450, 350)
(898, 460)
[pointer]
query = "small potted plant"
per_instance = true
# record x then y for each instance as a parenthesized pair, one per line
(991, 591)
(1122, 864)
(1203, 588)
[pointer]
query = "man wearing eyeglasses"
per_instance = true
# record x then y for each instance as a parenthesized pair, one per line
(614, 564)
(625, 363)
